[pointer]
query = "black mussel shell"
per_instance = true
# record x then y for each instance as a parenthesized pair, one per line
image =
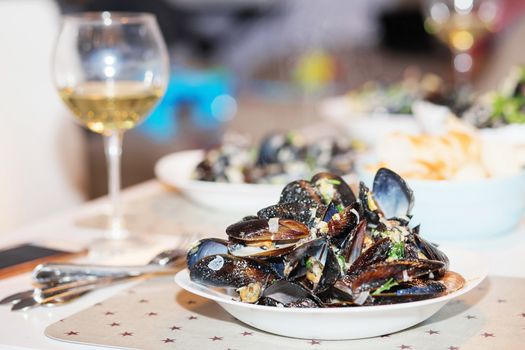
(374, 276)
(258, 230)
(342, 223)
(392, 194)
(205, 247)
(414, 290)
(277, 148)
(365, 197)
(376, 253)
(288, 294)
(302, 192)
(222, 270)
(352, 245)
(316, 278)
(293, 211)
(342, 194)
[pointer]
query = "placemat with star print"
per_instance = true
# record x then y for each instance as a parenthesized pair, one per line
(157, 314)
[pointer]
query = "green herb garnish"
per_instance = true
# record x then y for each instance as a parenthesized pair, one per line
(342, 263)
(397, 251)
(340, 208)
(334, 181)
(386, 286)
(309, 263)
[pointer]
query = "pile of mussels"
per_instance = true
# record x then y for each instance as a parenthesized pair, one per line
(321, 246)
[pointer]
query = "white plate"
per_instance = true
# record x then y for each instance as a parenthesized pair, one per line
(342, 323)
(176, 170)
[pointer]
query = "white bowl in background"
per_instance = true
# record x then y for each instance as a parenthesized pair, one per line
(345, 322)
(465, 209)
(176, 170)
(366, 127)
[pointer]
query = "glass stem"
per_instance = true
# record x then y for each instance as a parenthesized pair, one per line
(113, 150)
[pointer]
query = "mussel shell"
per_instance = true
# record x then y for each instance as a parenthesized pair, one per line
(288, 294)
(414, 290)
(302, 192)
(205, 247)
(222, 270)
(343, 194)
(371, 215)
(352, 245)
(277, 148)
(374, 276)
(321, 250)
(257, 230)
(293, 211)
(376, 253)
(392, 194)
(240, 249)
(345, 221)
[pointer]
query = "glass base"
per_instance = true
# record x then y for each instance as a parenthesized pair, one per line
(113, 249)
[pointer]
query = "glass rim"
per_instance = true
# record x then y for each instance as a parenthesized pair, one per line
(109, 17)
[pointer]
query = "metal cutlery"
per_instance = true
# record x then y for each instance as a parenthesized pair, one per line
(57, 283)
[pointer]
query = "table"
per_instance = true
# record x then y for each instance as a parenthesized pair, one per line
(150, 207)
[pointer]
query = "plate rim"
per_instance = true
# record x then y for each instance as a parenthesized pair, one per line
(183, 280)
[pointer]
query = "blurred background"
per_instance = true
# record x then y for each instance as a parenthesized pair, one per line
(249, 66)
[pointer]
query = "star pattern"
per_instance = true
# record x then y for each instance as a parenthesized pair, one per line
(192, 318)
(114, 324)
(469, 317)
(314, 342)
(168, 340)
(487, 335)
(126, 334)
(175, 328)
(71, 333)
(430, 332)
(151, 314)
(244, 334)
(109, 313)
(403, 346)
(215, 338)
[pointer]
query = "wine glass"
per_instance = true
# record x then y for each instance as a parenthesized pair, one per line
(110, 70)
(461, 25)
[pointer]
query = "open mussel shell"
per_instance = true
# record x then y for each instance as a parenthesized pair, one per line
(313, 264)
(420, 289)
(374, 276)
(333, 189)
(262, 250)
(288, 294)
(205, 247)
(376, 253)
(258, 230)
(292, 211)
(414, 290)
(222, 270)
(343, 222)
(302, 192)
(392, 194)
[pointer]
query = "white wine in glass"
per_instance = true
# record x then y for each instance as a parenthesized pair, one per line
(111, 69)
(461, 24)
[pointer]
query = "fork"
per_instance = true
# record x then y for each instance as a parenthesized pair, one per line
(61, 283)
